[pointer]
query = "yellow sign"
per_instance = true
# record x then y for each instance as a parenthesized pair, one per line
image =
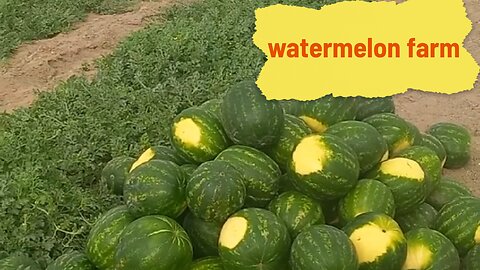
(370, 49)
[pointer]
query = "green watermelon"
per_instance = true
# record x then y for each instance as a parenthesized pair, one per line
(330, 211)
(456, 141)
(285, 183)
(397, 132)
(159, 152)
(406, 180)
(459, 220)
(472, 260)
(292, 106)
(71, 261)
(446, 191)
(154, 242)
(294, 130)
(203, 234)
(429, 249)
(198, 134)
(367, 196)
(364, 139)
(207, 263)
(428, 160)
(297, 211)
(417, 135)
(115, 173)
(215, 191)
(18, 261)
(323, 167)
(421, 217)
(212, 105)
(156, 187)
(261, 174)
(103, 238)
(254, 238)
(188, 170)
(322, 247)
(369, 106)
(436, 145)
(378, 240)
(249, 118)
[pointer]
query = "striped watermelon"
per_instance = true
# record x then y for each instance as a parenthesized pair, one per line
(212, 105)
(198, 134)
(203, 234)
(446, 191)
(156, 187)
(330, 211)
(249, 118)
(472, 259)
(18, 261)
(367, 196)
(154, 242)
(323, 167)
(322, 247)
(254, 238)
(459, 220)
(292, 106)
(103, 238)
(436, 145)
(378, 240)
(429, 249)
(188, 170)
(364, 139)
(207, 263)
(297, 211)
(215, 191)
(285, 183)
(115, 173)
(159, 152)
(421, 217)
(294, 130)
(406, 180)
(261, 175)
(369, 106)
(72, 261)
(456, 141)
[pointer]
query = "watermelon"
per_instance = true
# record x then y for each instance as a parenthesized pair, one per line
(369, 106)
(215, 191)
(417, 135)
(397, 132)
(428, 160)
(367, 196)
(72, 261)
(203, 234)
(406, 180)
(212, 105)
(103, 238)
(378, 240)
(322, 247)
(254, 238)
(18, 261)
(292, 106)
(364, 139)
(249, 118)
(293, 131)
(436, 145)
(156, 187)
(207, 263)
(429, 249)
(330, 211)
(421, 217)
(323, 167)
(459, 220)
(285, 183)
(456, 141)
(297, 211)
(261, 175)
(321, 113)
(198, 135)
(159, 152)
(188, 170)
(115, 173)
(472, 260)
(446, 191)
(154, 242)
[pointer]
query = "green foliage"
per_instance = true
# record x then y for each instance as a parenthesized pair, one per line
(52, 153)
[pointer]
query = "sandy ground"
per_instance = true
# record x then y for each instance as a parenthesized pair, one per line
(43, 64)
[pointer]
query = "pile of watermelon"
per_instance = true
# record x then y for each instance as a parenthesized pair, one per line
(250, 183)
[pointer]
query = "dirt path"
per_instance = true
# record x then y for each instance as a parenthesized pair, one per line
(43, 64)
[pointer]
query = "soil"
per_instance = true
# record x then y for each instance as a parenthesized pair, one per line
(43, 64)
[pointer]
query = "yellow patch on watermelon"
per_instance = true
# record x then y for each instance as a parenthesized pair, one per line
(443, 162)
(385, 156)
(477, 235)
(310, 155)
(314, 124)
(372, 242)
(403, 167)
(188, 132)
(233, 232)
(401, 145)
(144, 157)
(418, 257)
